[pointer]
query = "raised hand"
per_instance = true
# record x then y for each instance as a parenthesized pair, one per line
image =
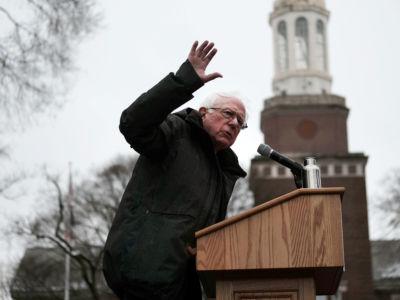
(200, 58)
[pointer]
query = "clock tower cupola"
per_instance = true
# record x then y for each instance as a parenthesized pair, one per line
(300, 47)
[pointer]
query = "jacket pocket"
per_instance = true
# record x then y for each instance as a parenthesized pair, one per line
(157, 254)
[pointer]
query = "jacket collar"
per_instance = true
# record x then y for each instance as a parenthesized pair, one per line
(227, 157)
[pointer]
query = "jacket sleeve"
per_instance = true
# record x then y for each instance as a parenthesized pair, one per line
(144, 123)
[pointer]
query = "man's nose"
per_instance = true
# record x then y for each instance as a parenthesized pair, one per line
(234, 122)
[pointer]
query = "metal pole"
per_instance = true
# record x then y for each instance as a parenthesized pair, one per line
(68, 235)
(67, 275)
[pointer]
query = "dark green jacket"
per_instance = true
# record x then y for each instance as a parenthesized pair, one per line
(179, 185)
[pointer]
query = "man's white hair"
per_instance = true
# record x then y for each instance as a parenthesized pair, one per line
(212, 99)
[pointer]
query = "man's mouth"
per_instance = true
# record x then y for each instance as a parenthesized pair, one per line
(228, 134)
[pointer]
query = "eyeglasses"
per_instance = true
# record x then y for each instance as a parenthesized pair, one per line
(230, 115)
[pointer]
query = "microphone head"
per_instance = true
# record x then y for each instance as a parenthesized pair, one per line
(264, 150)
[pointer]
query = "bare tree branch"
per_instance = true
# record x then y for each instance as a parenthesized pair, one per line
(94, 205)
(36, 53)
(389, 202)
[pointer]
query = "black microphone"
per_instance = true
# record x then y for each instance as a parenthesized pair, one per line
(267, 151)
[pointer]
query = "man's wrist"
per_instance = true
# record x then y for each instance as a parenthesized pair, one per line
(189, 77)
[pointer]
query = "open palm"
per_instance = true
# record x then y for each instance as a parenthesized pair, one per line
(200, 57)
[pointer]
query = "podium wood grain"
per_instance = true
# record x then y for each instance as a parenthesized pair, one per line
(301, 230)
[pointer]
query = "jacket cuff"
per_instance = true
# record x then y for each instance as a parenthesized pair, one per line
(188, 76)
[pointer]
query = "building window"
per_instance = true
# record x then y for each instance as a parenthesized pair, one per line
(320, 47)
(338, 169)
(301, 44)
(282, 46)
(281, 171)
(352, 171)
(267, 171)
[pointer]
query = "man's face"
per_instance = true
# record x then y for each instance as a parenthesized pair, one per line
(222, 130)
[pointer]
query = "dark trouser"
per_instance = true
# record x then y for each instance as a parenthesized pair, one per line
(189, 289)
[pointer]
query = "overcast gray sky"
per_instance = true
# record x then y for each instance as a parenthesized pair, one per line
(141, 41)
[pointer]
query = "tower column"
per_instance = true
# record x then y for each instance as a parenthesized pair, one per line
(304, 118)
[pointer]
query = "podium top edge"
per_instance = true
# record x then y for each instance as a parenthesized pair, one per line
(268, 204)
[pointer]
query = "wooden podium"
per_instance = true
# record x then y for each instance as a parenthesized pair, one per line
(288, 248)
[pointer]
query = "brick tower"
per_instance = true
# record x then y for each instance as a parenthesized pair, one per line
(304, 118)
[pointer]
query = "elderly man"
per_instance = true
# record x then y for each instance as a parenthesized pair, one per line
(181, 183)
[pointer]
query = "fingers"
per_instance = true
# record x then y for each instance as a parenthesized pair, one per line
(207, 49)
(210, 56)
(203, 51)
(192, 251)
(193, 49)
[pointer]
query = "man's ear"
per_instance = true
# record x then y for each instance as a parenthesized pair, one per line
(202, 111)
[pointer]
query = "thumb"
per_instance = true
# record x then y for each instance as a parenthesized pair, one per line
(212, 76)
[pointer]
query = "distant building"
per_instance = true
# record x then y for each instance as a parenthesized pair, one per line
(41, 276)
(386, 269)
